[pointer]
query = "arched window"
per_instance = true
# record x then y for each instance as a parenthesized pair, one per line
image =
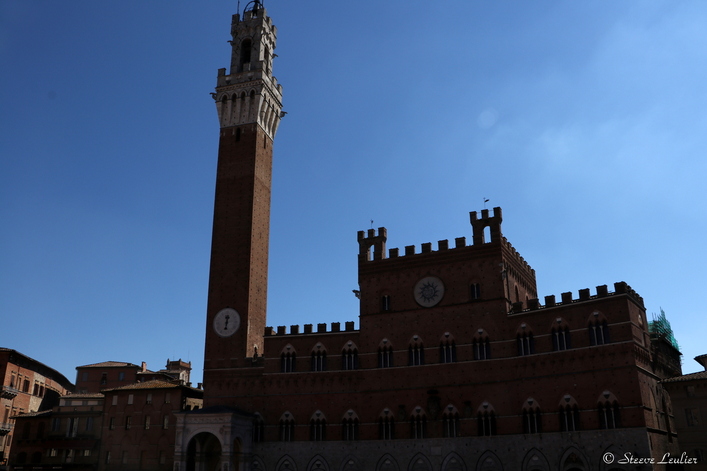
(447, 349)
(608, 410)
(317, 427)
(318, 358)
(266, 59)
(418, 423)
(386, 425)
(288, 358)
(287, 427)
(481, 345)
(258, 428)
(416, 352)
(385, 303)
(524, 340)
(349, 357)
(569, 414)
(486, 420)
(246, 48)
(450, 422)
(560, 336)
(474, 291)
(349, 426)
(385, 354)
(598, 329)
(531, 417)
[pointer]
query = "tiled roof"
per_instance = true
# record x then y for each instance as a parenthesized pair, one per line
(84, 396)
(154, 384)
(33, 414)
(108, 364)
(689, 377)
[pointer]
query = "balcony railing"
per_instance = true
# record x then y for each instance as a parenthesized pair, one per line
(9, 392)
(5, 428)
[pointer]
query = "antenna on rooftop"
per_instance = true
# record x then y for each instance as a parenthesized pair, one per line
(371, 223)
(486, 200)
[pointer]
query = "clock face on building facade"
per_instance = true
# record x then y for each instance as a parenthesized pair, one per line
(429, 291)
(227, 322)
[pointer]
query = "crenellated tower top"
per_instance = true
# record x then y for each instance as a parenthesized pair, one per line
(250, 93)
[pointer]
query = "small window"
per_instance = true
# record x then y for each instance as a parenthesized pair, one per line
(450, 422)
(385, 356)
(385, 303)
(147, 422)
(287, 427)
(569, 418)
(246, 47)
(288, 361)
(531, 418)
(111, 423)
(560, 339)
(416, 352)
(115, 400)
(317, 428)
(56, 424)
(128, 422)
(349, 426)
(526, 344)
(107, 457)
(475, 291)
(130, 399)
(447, 352)
(486, 423)
(386, 426)
(598, 333)
(165, 422)
(418, 424)
(482, 348)
(148, 399)
(167, 398)
(349, 357)
(319, 360)
(121, 376)
(258, 429)
(692, 417)
(104, 378)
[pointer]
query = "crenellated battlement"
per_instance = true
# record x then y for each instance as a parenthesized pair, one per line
(567, 298)
(368, 240)
(517, 256)
(478, 224)
(309, 329)
(372, 245)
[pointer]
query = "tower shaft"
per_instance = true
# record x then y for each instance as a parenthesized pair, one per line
(248, 102)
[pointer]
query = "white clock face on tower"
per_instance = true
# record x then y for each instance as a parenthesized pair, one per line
(227, 322)
(429, 291)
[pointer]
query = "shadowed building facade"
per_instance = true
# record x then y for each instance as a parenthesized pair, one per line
(456, 364)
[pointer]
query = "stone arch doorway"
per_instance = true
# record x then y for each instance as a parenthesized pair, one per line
(204, 453)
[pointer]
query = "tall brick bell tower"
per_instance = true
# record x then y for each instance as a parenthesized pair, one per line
(249, 102)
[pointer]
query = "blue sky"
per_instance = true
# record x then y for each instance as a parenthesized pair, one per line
(584, 121)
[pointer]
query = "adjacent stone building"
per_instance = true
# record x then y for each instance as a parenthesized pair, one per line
(128, 425)
(689, 397)
(27, 386)
(456, 365)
